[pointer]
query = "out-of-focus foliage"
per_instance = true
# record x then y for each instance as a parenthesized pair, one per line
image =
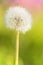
(31, 43)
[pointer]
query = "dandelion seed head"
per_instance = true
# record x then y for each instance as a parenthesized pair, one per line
(18, 18)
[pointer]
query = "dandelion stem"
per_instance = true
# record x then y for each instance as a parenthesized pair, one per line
(17, 48)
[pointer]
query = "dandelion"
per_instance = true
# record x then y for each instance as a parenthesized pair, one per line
(19, 19)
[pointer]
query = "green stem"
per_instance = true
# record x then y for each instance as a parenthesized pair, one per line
(17, 49)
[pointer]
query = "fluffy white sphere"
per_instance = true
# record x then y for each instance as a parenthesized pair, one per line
(18, 18)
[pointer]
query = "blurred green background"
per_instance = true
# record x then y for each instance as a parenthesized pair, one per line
(31, 43)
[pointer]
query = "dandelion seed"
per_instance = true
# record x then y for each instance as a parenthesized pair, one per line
(18, 18)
